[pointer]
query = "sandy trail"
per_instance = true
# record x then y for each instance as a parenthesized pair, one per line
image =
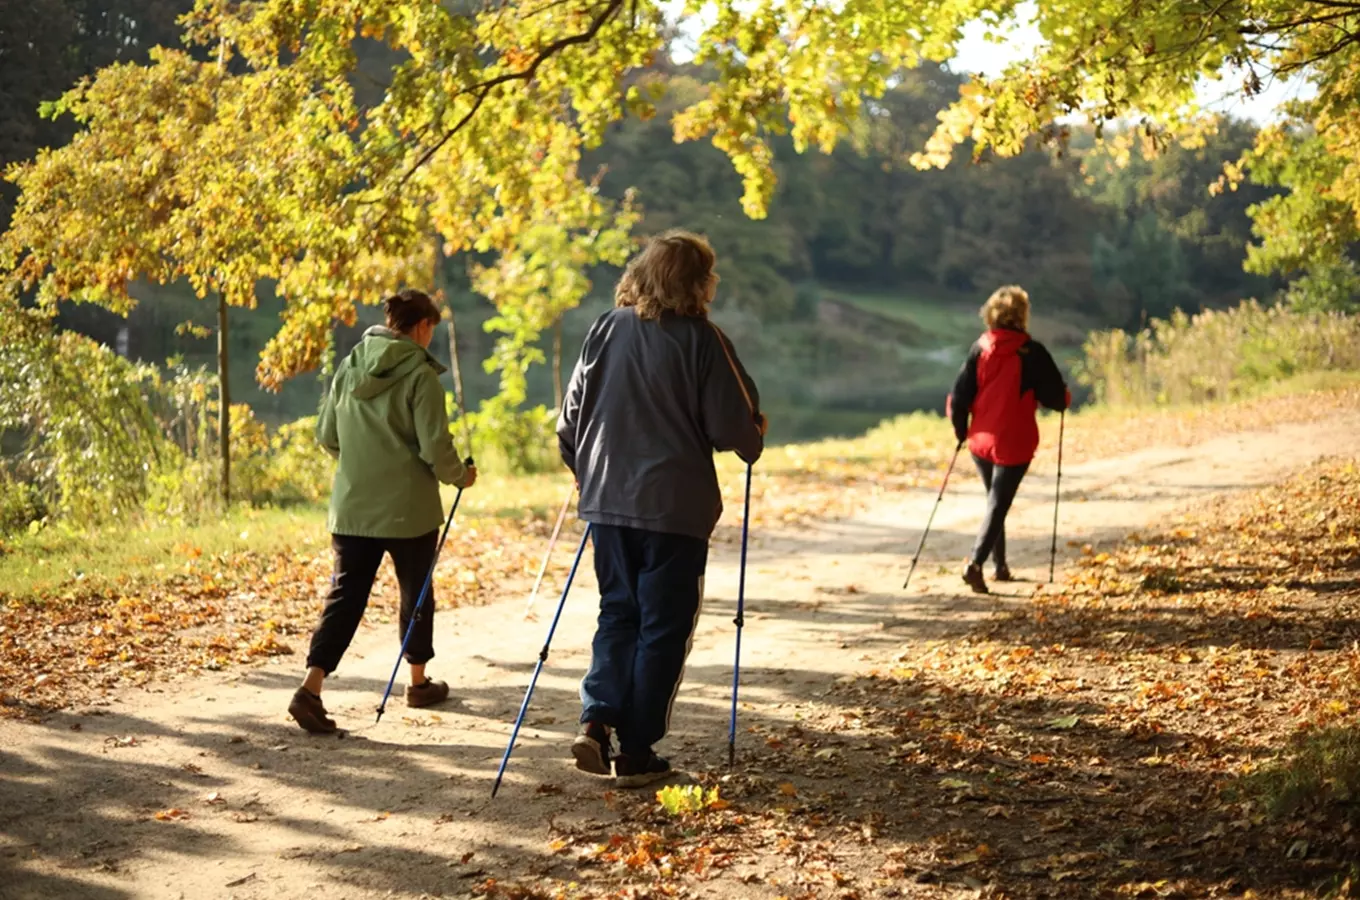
(403, 808)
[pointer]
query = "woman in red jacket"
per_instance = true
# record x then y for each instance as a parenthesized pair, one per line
(1007, 375)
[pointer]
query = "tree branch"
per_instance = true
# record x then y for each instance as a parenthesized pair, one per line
(483, 89)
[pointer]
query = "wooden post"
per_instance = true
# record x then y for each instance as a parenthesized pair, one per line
(224, 400)
(557, 364)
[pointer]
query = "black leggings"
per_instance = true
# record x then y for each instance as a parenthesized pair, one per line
(1001, 482)
(356, 565)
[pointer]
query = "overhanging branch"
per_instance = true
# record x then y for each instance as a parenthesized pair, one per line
(483, 89)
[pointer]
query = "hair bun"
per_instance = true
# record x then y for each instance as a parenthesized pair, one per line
(408, 308)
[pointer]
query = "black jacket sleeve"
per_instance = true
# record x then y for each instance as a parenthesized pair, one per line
(1038, 372)
(569, 417)
(960, 402)
(730, 403)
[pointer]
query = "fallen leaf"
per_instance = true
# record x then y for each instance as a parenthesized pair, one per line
(788, 790)
(1064, 722)
(171, 815)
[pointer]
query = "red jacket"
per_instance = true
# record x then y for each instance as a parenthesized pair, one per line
(1006, 376)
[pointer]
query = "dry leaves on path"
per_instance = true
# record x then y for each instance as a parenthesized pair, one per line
(79, 642)
(1122, 737)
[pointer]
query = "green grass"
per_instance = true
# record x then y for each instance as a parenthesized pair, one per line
(952, 318)
(57, 557)
(1322, 767)
(944, 319)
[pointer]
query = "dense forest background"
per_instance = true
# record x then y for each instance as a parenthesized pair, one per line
(854, 300)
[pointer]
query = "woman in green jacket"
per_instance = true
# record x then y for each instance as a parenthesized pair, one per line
(384, 420)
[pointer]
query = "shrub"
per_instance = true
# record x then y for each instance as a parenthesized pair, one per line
(1216, 355)
(522, 441)
(88, 438)
(21, 504)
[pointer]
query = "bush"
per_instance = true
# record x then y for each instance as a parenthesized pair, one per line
(1216, 355)
(21, 504)
(300, 471)
(88, 438)
(521, 441)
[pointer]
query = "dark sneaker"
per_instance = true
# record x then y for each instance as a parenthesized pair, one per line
(592, 749)
(427, 694)
(973, 577)
(309, 712)
(1002, 573)
(632, 772)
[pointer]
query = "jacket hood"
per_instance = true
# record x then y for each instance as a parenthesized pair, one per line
(1004, 339)
(383, 358)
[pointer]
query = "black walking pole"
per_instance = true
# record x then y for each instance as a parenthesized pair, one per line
(740, 620)
(420, 603)
(943, 485)
(1057, 493)
(542, 658)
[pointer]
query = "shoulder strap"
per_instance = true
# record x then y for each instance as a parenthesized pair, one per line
(741, 382)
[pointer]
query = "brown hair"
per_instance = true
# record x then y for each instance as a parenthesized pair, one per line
(673, 272)
(407, 309)
(1008, 307)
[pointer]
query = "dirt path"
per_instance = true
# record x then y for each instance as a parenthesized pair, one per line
(403, 808)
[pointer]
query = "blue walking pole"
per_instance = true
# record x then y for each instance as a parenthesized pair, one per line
(542, 658)
(420, 603)
(740, 620)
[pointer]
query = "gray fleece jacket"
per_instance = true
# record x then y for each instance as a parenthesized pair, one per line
(648, 404)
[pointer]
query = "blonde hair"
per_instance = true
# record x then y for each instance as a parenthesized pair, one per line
(673, 272)
(1008, 307)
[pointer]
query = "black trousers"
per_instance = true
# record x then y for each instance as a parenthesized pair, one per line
(1002, 483)
(651, 590)
(356, 565)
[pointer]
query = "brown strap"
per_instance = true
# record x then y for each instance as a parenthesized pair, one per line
(741, 382)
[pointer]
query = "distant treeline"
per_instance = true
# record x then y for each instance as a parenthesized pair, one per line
(1115, 242)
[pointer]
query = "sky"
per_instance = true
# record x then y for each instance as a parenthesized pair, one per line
(976, 54)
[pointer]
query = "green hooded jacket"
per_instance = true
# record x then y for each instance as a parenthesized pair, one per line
(384, 420)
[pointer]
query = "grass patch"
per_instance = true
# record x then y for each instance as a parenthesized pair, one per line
(32, 565)
(1321, 768)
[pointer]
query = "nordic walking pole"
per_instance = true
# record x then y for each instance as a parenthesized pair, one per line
(420, 603)
(921, 546)
(542, 658)
(739, 621)
(552, 542)
(1057, 493)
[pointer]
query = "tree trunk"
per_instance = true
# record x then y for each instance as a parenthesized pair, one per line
(458, 384)
(557, 363)
(224, 401)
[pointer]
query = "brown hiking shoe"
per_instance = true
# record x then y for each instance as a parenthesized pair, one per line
(973, 577)
(308, 711)
(427, 694)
